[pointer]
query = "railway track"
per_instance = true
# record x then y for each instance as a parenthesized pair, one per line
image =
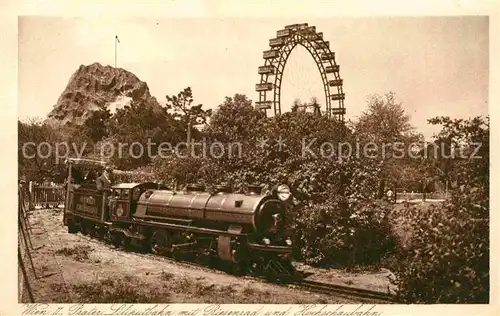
(346, 291)
(308, 285)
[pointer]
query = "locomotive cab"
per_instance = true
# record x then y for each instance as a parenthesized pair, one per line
(84, 203)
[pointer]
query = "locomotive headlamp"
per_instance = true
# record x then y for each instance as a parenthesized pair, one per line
(266, 241)
(288, 242)
(283, 192)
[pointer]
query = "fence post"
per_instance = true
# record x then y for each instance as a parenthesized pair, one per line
(24, 276)
(30, 196)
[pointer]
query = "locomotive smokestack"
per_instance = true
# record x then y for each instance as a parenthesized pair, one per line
(221, 188)
(195, 187)
(254, 189)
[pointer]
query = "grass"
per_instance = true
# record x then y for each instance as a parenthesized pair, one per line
(169, 289)
(79, 253)
(165, 276)
(125, 290)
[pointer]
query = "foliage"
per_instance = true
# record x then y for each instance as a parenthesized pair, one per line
(143, 124)
(181, 108)
(177, 169)
(39, 158)
(461, 150)
(341, 233)
(262, 159)
(387, 127)
(234, 120)
(384, 121)
(447, 260)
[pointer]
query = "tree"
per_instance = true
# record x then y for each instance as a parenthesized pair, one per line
(147, 126)
(234, 120)
(296, 105)
(460, 151)
(386, 126)
(385, 120)
(41, 152)
(314, 104)
(183, 109)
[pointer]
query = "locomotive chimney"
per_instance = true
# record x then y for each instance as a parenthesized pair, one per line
(222, 188)
(254, 189)
(195, 187)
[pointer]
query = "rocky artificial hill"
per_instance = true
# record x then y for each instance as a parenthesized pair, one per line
(94, 86)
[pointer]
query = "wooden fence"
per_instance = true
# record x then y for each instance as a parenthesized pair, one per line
(46, 196)
(24, 248)
(412, 196)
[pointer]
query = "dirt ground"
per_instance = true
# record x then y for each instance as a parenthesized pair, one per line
(72, 268)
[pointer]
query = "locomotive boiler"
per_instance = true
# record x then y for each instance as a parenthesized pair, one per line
(244, 232)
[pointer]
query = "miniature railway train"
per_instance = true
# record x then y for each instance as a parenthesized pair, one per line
(243, 232)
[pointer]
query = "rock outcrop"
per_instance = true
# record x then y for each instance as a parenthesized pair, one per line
(95, 86)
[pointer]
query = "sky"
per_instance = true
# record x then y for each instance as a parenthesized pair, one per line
(436, 66)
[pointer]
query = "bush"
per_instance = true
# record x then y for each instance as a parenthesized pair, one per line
(447, 260)
(340, 233)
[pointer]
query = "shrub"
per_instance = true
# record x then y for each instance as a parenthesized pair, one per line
(447, 260)
(340, 233)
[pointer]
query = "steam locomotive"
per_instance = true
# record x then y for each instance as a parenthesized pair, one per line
(243, 232)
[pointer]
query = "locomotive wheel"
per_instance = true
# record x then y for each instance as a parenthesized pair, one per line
(101, 233)
(126, 241)
(255, 268)
(84, 228)
(116, 240)
(160, 243)
(238, 268)
(204, 259)
(145, 246)
(92, 231)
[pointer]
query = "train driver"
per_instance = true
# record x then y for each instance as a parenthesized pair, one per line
(103, 182)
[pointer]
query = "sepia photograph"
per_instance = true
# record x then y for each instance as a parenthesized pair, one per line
(321, 161)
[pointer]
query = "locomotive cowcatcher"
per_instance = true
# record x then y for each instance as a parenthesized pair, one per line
(242, 232)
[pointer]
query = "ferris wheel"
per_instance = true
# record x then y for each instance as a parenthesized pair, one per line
(271, 74)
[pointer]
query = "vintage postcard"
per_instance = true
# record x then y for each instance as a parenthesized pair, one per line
(251, 158)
